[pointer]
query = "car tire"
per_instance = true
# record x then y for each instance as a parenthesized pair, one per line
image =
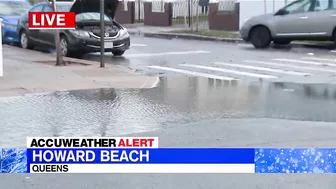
(281, 42)
(260, 37)
(64, 46)
(118, 52)
(25, 42)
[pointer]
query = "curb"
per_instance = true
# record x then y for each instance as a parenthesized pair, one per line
(226, 40)
(83, 62)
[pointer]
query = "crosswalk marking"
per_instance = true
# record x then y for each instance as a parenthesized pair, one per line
(304, 62)
(289, 66)
(193, 73)
(270, 68)
(230, 71)
(263, 69)
(320, 59)
(166, 53)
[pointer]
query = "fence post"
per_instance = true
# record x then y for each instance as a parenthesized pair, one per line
(1, 58)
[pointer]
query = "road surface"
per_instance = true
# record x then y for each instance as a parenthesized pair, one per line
(190, 110)
(226, 61)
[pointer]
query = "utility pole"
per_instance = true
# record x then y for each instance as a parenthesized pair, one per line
(102, 33)
(59, 57)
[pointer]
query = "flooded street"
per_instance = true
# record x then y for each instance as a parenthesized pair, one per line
(209, 95)
(175, 102)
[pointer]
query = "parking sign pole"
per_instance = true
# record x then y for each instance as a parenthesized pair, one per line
(102, 33)
(1, 58)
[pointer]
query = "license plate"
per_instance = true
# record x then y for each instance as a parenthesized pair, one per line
(108, 45)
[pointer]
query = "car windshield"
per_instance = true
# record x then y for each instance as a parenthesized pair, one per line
(13, 8)
(91, 16)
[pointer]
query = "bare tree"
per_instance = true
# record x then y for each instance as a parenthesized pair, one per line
(59, 57)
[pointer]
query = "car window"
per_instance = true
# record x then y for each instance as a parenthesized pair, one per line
(12, 8)
(91, 16)
(300, 6)
(47, 8)
(321, 5)
(37, 8)
(332, 4)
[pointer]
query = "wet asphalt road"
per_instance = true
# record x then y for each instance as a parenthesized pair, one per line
(183, 112)
(226, 61)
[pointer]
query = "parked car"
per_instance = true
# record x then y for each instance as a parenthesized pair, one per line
(10, 11)
(299, 20)
(86, 37)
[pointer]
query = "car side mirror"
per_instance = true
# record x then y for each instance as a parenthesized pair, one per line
(281, 12)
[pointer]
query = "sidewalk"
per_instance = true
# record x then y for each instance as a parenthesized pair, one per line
(207, 35)
(27, 71)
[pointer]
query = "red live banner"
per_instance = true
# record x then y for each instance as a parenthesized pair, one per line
(52, 20)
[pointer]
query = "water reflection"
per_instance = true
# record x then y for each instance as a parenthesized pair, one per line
(176, 101)
(315, 91)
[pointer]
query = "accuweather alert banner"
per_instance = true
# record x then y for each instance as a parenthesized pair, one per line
(143, 155)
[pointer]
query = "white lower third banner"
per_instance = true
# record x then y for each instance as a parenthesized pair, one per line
(142, 168)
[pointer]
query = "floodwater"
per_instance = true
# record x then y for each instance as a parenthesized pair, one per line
(175, 102)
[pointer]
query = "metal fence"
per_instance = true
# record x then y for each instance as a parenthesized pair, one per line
(139, 10)
(186, 13)
(191, 14)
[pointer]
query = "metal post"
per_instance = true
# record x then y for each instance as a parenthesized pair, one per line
(139, 11)
(1, 58)
(102, 33)
(197, 18)
(189, 13)
(59, 56)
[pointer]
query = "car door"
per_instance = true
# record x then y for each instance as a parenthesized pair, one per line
(294, 20)
(34, 34)
(323, 20)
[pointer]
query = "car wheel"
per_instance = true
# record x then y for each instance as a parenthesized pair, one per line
(24, 41)
(64, 46)
(281, 42)
(260, 37)
(118, 52)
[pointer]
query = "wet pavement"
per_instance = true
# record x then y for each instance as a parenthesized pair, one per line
(185, 111)
(182, 112)
(177, 101)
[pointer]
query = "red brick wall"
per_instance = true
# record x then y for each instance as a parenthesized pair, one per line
(223, 20)
(125, 17)
(158, 18)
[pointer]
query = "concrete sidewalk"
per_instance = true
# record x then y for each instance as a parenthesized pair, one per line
(27, 71)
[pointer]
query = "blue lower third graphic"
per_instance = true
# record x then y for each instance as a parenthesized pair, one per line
(266, 160)
(13, 160)
(297, 160)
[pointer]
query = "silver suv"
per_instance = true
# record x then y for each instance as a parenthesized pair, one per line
(299, 20)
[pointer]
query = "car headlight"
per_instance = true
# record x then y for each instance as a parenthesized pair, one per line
(124, 33)
(10, 26)
(80, 33)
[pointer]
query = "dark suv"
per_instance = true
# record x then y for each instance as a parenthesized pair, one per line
(86, 37)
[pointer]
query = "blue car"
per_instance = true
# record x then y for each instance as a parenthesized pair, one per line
(10, 12)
